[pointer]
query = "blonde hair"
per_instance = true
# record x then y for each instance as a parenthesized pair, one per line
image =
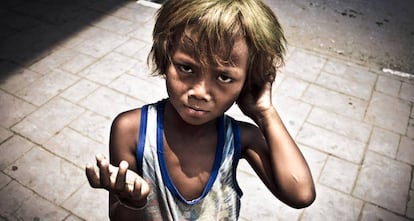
(210, 28)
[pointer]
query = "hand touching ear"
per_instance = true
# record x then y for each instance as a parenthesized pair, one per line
(255, 102)
(120, 181)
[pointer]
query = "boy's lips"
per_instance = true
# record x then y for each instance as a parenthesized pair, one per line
(196, 110)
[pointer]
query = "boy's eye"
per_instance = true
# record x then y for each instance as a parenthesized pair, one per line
(185, 68)
(224, 79)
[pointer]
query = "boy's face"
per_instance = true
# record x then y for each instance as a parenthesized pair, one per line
(202, 92)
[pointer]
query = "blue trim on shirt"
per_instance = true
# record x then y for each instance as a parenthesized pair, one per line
(141, 138)
(236, 154)
(163, 166)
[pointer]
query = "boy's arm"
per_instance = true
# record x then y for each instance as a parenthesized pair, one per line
(127, 190)
(273, 153)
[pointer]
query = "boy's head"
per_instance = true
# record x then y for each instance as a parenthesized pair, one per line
(209, 28)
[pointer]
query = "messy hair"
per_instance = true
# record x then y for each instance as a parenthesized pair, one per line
(211, 27)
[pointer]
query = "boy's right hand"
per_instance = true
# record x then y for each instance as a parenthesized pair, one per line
(130, 188)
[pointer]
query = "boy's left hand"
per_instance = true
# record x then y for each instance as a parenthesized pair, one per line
(256, 107)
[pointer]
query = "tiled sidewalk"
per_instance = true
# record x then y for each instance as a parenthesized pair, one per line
(67, 71)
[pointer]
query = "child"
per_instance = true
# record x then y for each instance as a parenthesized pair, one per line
(177, 158)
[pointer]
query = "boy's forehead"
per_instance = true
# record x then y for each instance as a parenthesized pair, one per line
(240, 50)
(228, 51)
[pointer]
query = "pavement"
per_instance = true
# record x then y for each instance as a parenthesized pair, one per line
(372, 33)
(68, 67)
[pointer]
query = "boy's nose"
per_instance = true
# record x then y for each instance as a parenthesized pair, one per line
(201, 90)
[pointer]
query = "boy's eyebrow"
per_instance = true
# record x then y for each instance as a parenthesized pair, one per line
(187, 45)
(187, 59)
(234, 59)
(183, 57)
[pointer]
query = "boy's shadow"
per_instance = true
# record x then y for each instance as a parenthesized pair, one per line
(30, 30)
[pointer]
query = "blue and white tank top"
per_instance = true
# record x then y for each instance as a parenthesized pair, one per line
(220, 199)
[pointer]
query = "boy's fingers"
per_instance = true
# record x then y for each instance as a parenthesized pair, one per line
(141, 188)
(145, 189)
(121, 176)
(104, 175)
(137, 188)
(99, 157)
(92, 176)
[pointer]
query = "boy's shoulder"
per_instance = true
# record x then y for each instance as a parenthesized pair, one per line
(245, 126)
(249, 133)
(127, 122)
(124, 131)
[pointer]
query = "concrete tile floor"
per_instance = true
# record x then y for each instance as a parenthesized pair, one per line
(68, 68)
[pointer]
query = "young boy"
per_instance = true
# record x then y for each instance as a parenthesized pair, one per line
(177, 158)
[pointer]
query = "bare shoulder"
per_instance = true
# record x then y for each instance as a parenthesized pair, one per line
(251, 137)
(128, 121)
(124, 136)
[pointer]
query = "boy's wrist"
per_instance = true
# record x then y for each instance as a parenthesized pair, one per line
(133, 204)
(266, 117)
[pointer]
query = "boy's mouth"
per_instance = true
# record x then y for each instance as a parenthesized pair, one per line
(196, 109)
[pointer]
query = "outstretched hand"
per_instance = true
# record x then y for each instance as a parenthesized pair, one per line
(124, 183)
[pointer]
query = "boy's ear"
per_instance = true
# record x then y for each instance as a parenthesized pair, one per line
(244, 89)
(256, 82)
(251, 88)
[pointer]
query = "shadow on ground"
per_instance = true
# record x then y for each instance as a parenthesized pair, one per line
(30, 30)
